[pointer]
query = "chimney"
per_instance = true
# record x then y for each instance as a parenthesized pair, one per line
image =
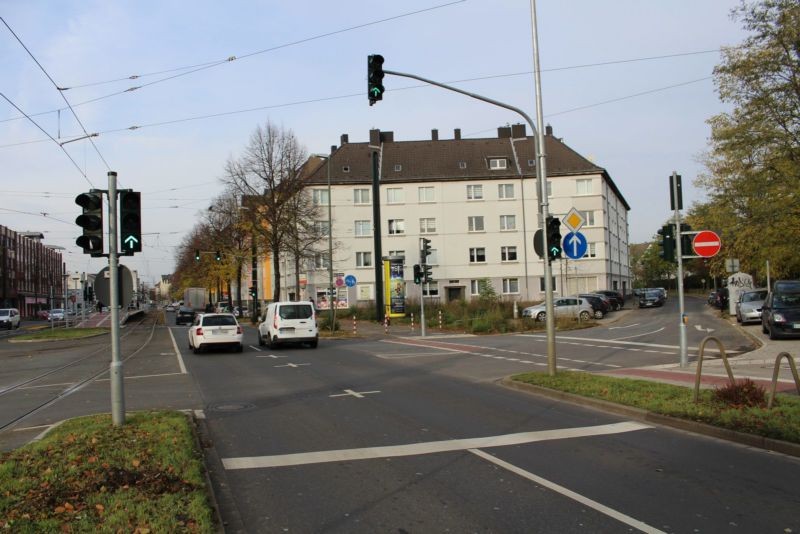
(548, 130)
(457, 133)
(375, 137)
(504, 132)
(333, 149)
(344, 139)
(518, 131)
(434, 135)
(387, 137)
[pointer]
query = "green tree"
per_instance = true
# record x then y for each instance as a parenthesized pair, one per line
(754, 157)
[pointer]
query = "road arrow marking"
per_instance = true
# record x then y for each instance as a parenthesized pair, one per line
(701, 329)
(292, 365)
(356, 394)
(618, 327)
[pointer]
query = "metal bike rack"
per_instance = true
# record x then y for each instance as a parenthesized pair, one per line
(700, 364)
(777, 370)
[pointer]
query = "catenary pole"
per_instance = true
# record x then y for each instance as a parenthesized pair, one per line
(679, 254)
(115, 371)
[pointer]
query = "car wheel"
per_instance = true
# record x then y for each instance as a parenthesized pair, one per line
(272, 342)
(260, 340)
(196, 350)
(541, 316)
(772, 333)
(584, 315)
(738, 319)
(764, 328)
(314, 344)
(598, 314)
(239, 348)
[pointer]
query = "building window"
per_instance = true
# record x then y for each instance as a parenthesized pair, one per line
(394, 195)
(398, 254)
(430, 289)
(583, 187)
(462, 164)
(475, 223)
(426, 194)
(508, 253)
(531, 163)
(322, 228)
(541, 284)
(361, 196)
(474, 287)
(346, 168)
(510, 286)
(398, 167)
(508, 222)
(321, 261)
(474, 192)
(363, 228)
(477, 255)
(427, 225)
(363, 259)
(588, 216)
(591, 250)
(497, 164)
(319, 197)
(397, 226)
(505, 191)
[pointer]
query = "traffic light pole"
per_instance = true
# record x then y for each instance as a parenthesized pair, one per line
(538, 147)
(679, 254)
(115, 369)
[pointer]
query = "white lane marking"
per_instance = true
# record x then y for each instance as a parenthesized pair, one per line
(404, 355)
(141, 376)
(390, 451)
(594, 505)
(177, 352)
(62, 384)
(269, 356)
(620, 327)
(292, 365)
(637, 343)
(254, 348)
(639, 335)
(356, 394)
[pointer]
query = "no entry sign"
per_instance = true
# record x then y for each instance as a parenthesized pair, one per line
(706, 244)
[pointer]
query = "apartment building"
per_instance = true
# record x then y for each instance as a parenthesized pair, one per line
(477, 201)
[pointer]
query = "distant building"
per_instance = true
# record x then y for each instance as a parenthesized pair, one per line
(476, 199)
(163, 288)
(31, 273)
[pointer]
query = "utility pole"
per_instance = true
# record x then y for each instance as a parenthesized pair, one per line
(115, 368)
(676, 196)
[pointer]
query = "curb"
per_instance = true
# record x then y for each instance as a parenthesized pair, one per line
(751, 440)
(14, 340)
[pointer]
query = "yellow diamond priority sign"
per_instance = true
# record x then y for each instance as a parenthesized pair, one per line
(573, 220)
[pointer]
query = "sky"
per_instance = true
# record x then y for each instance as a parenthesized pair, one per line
(607, 91)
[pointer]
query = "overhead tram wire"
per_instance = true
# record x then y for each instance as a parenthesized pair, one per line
(89, 137)
(51, 137)
(230, 59)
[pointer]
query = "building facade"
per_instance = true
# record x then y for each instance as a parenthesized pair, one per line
(32, 275)
(477, 201)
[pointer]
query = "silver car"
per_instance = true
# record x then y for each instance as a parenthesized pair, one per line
(572, 307)
(748, 307)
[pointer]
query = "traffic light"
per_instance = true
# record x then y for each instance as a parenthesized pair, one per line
(667, 243)
(553, 238)
(374, 78)
(417, 274)
(91, 220)
(196, 255)
(130, 222)
(252, 291)
(686, 240)
(218, 256)
(427, 273)
(425, 251)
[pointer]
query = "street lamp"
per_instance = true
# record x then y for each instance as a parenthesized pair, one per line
(331, 300)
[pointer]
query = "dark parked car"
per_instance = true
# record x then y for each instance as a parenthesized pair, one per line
(597, 303)
(184, 316)
(614, 296)
(651, 297)
(780, 314)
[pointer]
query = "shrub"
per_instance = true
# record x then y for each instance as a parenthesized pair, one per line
(744, 393)
(324, 322)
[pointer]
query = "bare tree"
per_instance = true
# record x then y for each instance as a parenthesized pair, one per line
(230, 231)
(266, 178)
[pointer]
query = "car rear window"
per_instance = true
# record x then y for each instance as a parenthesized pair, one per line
(219, 320)
(295, 311)
(5, 313)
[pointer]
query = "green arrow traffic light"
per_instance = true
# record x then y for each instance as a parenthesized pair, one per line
(130, 221)
(375, 78)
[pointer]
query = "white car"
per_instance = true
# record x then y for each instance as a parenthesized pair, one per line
(215, 331)
(572, 307)
(288, 322)
(9, 318)
(57, 314)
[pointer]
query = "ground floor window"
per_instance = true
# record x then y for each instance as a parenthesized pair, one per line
(510, 286)
(431, 289)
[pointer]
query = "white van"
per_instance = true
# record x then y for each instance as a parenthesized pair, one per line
(9, 318)
(288, 322)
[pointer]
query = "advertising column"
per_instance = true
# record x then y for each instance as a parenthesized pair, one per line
(395, 292)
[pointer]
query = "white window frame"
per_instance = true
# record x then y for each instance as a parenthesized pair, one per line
(361, 224)
(358, 197)
(319, 197)
(474, 287)
(583, 186)
(591, 250)
(507, 286)
(398, 253)
(360, 260)
(473, 221)
(504, 220)
(422, 194)
(430, 289)
(498, 164)
(322, 228)
(321, 260)
(505, 253)
(397, 192)
(425, 228)
(397, 226)
(503, 191)
(475, 192)
(473, 255)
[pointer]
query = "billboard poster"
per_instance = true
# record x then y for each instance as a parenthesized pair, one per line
(395, 292)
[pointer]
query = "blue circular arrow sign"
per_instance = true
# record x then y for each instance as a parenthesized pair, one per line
(574, 245)
(350, 280)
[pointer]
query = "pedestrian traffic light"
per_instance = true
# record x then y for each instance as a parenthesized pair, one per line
(425, 250)
(91, 220)
(374, 78)
(667, 243)
(553, 238)
(427, 273)
(252, 291)
(130, 222)
(196, 255)
(686, 240)
(417, 274)
(218, 256)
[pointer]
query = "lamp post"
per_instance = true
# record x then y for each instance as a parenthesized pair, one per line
(331, 300)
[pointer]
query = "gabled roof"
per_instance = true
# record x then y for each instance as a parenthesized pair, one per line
(450, 160)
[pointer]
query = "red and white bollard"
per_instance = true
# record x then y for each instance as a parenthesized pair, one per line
(385, 324)
(440, 320)
(412, 322)
(355, 329)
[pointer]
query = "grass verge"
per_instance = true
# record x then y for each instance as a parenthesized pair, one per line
(781, 422)
(90, 476)
(60, 334)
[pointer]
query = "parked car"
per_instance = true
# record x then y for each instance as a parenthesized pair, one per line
(615, 297)
(184, 316)
(56, 314)
(43, 314)
(651, 297)
(748, 307)
(780, 313)
(572, 307)
(215, 331)
(288, 322)
(598, 304)
(9, 318)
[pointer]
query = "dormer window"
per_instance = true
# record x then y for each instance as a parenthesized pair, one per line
(462, 164)
(346, 168)
(398, 167)
(531, 163)
(498, 164)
